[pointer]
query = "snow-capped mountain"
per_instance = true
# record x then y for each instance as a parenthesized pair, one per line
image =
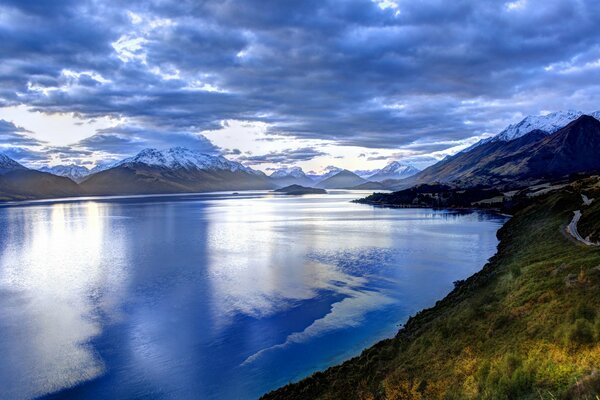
(294, 172)
(329, 171)
(548, 123)
(394, 170)
(74, 172)
(291, 176)
(8, 164)
(182, 158)
(103, 166)
(534, 157)
(175, 170)
(365, 173)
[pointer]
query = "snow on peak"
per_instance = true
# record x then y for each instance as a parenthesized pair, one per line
(394, 170)
(294, 172)
(183, 158)
(548, 123)
(7, 163)
(396, 167)
(72, 171)
(328, 171)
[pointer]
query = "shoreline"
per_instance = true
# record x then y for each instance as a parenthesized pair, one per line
(420, 361)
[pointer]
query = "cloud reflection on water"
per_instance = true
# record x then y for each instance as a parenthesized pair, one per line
(56, 273)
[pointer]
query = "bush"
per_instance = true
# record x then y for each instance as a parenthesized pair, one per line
(582, 332)
(583, 311)
(515, 271)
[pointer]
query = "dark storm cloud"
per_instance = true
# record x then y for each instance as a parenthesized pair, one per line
(348, 71)
(288, 156)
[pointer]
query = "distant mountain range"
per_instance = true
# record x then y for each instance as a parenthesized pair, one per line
(519, 155)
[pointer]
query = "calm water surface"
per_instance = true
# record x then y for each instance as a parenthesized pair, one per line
(214, 296)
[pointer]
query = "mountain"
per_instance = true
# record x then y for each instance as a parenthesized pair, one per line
(290, 176)
(548, 123)
(342, 180)
(329, 172)
(7, 164)
(528, 158)
(103, 166)
(20, 183)
(394, 170)
(175, 170)
(74, 172)
(366, 173)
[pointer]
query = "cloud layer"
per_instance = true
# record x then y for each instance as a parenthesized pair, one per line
(355, 72)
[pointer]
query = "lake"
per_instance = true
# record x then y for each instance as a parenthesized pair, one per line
(214, 296)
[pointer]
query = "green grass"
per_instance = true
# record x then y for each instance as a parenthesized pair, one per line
(527, 326)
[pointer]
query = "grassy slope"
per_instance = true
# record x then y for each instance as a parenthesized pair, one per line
(514, 330)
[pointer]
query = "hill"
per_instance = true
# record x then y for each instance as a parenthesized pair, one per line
(342, 180)
(298, 190)
(526, 326)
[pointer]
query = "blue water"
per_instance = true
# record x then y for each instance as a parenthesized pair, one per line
(214, 296)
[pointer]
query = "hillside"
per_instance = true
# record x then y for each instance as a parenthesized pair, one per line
(527, 326)
(20, 183)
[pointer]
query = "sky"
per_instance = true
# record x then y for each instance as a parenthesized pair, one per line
(270, 83)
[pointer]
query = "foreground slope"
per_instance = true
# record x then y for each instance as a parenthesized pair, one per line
(525, 327)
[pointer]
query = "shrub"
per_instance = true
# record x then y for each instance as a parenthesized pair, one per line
(583, 311)
(515, 271)
(581, 332)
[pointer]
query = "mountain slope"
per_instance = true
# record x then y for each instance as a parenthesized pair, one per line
(175, 170)
(342, 180)
(20, 183)
(394, 170)
(524, 160)
(526, 326)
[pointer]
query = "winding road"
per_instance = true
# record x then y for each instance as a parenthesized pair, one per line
(572, 227)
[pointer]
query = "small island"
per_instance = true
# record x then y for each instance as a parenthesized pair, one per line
(299, 190)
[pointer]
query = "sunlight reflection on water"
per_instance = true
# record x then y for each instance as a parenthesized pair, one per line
(211, 295)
